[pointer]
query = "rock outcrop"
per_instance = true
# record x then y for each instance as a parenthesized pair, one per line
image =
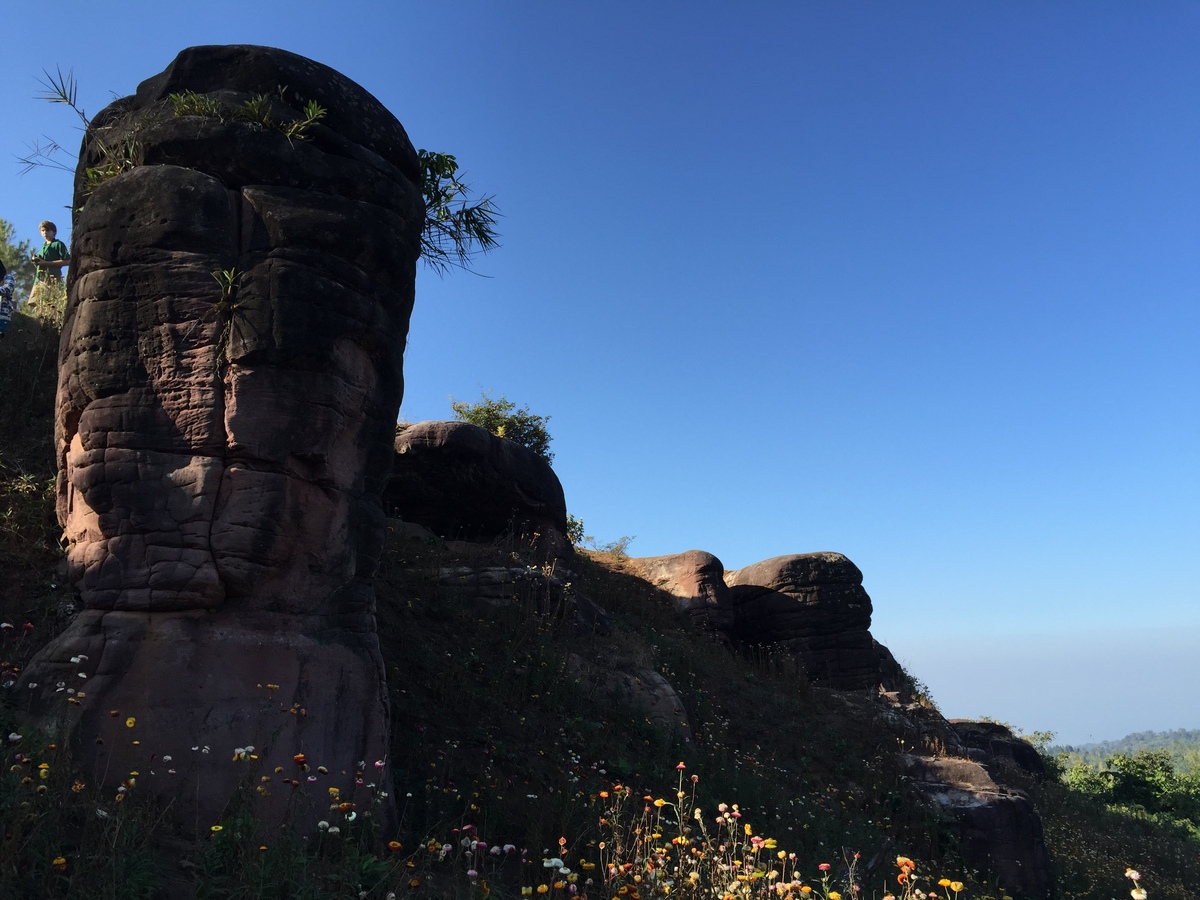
(994, 745)
(231, 369)
(999, 829)
(696, 580)
(462, 482)
(814, 605)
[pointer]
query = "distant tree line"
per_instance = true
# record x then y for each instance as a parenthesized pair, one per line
(1181, 745)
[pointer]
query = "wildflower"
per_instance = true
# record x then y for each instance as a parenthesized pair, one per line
(333, 829)
(1138, 893)
(660, 802)
(944, 882)
(543, 889)
(60, 862)
(130, 722)
(414, 883)
(956, 886)
(681, 766)
(1133, 874)
(526, 891)
(834, 895)
(14, 737)
(824, 867)
(217, 828)
(300, 759)
(395, 845)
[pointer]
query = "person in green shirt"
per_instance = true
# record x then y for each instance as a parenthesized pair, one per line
(52, 257)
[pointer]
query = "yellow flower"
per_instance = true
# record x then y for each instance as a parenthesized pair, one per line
(60, 862)
(660, 802)
(834, 895)
(770, 843)
(217, 828)
(526, 891)
(944, 882)
(956, 886)
(130, 722)
(543, 888)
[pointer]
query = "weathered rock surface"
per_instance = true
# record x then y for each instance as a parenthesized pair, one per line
(814, 605)
(696, 580)
(999, 829)
(221, 452)
(542, 592)
(994, 745)
(460, 481)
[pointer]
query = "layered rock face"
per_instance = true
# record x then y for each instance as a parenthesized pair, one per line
(998, 828)
(462, 482)
(231, 371)
(696, 580)
(814, 605)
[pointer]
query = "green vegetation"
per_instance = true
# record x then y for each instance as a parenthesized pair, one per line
(257, 110)
(455, 230)
(1182, 745)
(15, 256)
(501, 417)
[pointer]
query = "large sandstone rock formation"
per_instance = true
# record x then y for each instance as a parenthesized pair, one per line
(696, 580)
(462, 482)
(222, 449)
(814, 605)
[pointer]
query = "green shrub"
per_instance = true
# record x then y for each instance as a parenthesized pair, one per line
(502, 418)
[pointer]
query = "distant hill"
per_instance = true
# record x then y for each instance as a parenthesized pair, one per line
(1183, 744)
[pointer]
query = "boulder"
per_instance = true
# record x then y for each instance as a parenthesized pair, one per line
(696, 580)
(814, 605)
(463, 482)
(999, 829)
(230, 375)
(998, 748)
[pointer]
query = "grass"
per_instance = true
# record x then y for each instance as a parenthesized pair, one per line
(519, 768)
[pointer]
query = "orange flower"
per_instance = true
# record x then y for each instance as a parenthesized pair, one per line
(394, 845)
(60, 862)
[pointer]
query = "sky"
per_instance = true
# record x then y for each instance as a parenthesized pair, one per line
(916, 282)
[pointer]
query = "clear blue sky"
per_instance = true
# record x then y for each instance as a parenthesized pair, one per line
(915, 281)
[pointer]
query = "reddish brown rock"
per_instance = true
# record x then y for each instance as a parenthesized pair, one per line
(222, 451)
(464, 483)
(696, 580)
(814, 605)
(999, 830)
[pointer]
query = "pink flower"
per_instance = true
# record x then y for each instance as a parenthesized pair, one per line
(824, 867)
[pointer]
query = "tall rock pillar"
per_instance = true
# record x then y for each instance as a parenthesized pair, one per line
(231, 371)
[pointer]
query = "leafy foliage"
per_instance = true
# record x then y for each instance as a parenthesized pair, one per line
(455, 230)
(502, 418)
(15, 256)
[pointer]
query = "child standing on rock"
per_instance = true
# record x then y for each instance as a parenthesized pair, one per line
(51, 258)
